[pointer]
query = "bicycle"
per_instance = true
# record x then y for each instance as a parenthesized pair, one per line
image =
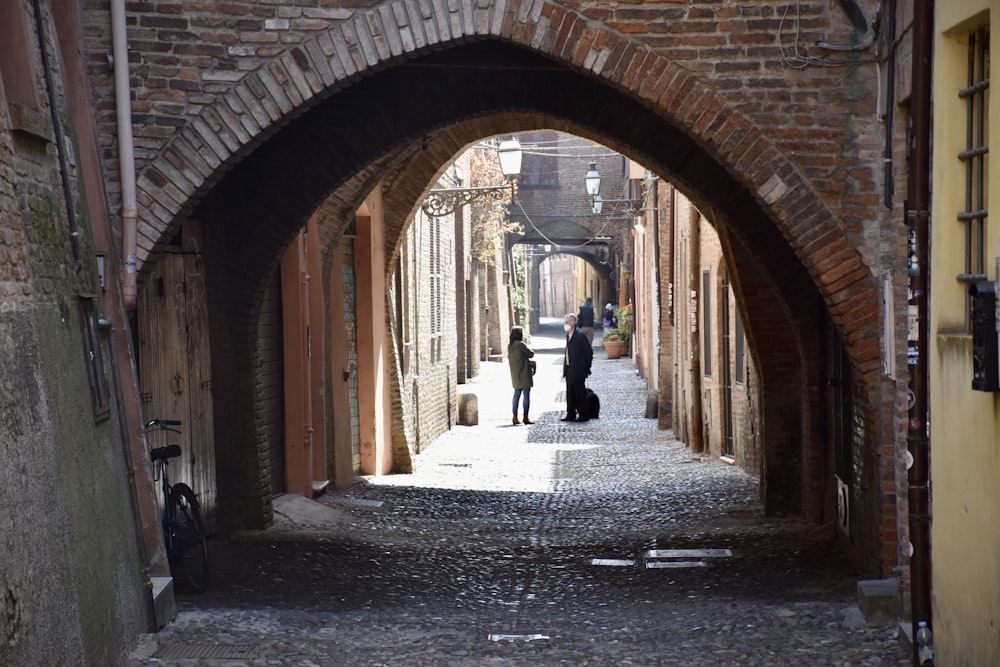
(183, 529)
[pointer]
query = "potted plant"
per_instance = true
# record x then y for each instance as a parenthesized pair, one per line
(626, 317)
(616, 342)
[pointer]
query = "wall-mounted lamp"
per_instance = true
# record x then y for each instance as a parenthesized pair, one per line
(445, 201)
(592, 181)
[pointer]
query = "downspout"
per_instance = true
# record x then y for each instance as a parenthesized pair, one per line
(126, 150)
(918, 441)
(60, 139)
(656, 256)
(675, 293)
(890, 103)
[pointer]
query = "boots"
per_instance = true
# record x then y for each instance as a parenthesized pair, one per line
(526, 420)
(514, 421)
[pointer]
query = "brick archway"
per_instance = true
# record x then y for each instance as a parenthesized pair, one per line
(245, 167)
(297, 80)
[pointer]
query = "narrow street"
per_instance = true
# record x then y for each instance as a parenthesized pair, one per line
(598, 543)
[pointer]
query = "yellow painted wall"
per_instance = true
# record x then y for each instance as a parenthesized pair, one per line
(965, 424)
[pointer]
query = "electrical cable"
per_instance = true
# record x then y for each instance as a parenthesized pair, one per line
(796, 59)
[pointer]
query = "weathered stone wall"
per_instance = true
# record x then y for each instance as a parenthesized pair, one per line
(71, 576)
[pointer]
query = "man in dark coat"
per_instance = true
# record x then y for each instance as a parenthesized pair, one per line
(576, 368)
(585, 319)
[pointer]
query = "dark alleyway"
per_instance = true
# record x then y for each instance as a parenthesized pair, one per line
(604, 543)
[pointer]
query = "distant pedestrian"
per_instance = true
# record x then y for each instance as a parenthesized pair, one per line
(609, 317)
(521, 371)
(577, 360)
(585, 319)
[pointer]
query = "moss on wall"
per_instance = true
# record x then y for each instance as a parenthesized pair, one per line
(71, 581)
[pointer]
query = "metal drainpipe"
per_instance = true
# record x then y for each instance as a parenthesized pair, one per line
(675, 293)
(889, 16)
(60, 138)
(126, 149)
(918, 220)
(656, 254)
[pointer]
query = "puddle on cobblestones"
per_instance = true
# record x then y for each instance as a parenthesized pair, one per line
(689, 553)
(516, 638)
(613, 562)
(671, 564)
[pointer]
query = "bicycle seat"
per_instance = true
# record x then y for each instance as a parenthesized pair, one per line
(164, 453)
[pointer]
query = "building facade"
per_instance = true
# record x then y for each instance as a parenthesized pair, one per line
(964, 412)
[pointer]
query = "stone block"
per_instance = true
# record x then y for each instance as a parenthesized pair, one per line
(652, 404)
(468, 409)
(878, 600)
(164, 604)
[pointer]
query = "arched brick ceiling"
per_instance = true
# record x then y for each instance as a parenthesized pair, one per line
(408, 121)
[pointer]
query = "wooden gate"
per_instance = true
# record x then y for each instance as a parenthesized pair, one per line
(175, 370)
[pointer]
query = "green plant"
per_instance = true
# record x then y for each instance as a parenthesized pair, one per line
(616, 335)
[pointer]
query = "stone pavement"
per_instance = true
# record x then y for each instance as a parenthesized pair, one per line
(601, 543)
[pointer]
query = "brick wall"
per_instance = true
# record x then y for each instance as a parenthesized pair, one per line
(429, 379)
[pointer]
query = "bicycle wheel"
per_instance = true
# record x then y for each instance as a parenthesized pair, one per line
(190, 557)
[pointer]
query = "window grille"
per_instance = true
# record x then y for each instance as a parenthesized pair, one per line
(975, 158)
(94, 359)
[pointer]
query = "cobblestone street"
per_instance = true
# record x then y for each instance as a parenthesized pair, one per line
(598, 543)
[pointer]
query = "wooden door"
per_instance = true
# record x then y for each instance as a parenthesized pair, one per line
(175, 370)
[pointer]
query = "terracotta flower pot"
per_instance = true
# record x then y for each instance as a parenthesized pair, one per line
(615, 348)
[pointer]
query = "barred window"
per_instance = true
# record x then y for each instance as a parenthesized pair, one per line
(94, 360)
(975, 158)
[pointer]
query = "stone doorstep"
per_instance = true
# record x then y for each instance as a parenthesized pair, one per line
(878, 600)
(164, 604)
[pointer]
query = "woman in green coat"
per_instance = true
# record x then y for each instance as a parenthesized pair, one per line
(519, 357)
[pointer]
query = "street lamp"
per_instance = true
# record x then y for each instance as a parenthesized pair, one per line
(593, 183)
(510, 153)
(592, 180)
(445, 201)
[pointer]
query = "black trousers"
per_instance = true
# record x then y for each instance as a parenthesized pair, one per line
(576, 398)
